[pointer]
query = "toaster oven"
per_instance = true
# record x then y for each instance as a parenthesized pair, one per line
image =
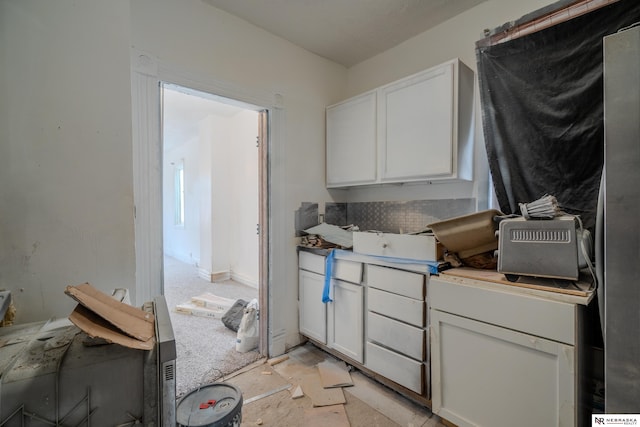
(553, 248)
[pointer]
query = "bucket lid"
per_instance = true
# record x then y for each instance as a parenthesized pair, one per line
(212, 405)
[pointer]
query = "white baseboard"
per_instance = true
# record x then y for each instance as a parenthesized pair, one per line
(221, 276)
(244, 279)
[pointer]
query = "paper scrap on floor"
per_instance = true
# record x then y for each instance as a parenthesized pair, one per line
(334, 374)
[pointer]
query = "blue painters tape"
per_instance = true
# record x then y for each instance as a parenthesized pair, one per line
(327, 277)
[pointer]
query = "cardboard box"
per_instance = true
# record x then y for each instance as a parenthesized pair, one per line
(100, 315)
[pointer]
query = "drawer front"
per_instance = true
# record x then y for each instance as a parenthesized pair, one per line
(311, 262)
(399, 282)
(398, 368)
(529, 314)
(349, 271)
(398, 336)
(416, 247)
(408, 310)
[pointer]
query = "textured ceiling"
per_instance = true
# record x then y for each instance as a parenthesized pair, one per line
(345, 31)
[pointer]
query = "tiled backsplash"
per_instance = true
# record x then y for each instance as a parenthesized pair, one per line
(396, 217)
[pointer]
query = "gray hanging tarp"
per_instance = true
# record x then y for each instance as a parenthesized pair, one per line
(542, 110)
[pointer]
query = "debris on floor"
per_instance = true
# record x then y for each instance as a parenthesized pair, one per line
(294, 395)
(297, 392)
(334, 374)
(276, 360)
(206, 305)
(319, 395)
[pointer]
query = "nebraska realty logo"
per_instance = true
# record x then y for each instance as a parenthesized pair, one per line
(615, 420)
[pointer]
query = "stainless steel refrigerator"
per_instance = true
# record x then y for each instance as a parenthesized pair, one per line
(618, 260)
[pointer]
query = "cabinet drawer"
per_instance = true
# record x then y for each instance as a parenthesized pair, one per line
(408, 310)
(398, 368)
(399, 282)
(529, 314)
(398, 336)
(311, 262)
(349, 271)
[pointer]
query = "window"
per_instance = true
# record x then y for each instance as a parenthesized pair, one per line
(178, 179)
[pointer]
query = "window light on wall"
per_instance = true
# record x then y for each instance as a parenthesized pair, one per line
(178, 178)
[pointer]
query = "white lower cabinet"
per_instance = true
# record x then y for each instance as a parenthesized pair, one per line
(313, 312)
(338, 324)
(345, 320)
(480, 353)
(485, 373)
(378, 322)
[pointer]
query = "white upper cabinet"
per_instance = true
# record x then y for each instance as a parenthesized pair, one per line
(351, 141)
(417, 126)
(423, 131)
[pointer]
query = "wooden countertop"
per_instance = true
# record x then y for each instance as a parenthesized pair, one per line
(584, 288)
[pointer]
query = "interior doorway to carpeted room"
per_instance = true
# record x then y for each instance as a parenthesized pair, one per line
(210, 209)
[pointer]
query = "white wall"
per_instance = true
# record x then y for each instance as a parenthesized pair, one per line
(182, 241)
(221, 189)
(209, 44)
(66, 198)
(221, 170)
(66, 203)
(453, 38)
(244, 197)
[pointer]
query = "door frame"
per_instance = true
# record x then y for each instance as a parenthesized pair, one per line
(147, 74)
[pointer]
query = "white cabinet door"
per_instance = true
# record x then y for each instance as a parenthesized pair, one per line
(351, 141)
(313, 312)
(417, 126)
(346, 314)
(484, 375)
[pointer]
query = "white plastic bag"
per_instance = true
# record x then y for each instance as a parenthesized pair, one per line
(247, 337)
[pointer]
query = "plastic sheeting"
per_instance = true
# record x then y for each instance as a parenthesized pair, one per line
(542, 111)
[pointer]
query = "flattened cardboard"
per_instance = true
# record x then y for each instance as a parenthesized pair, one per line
(319, 395)
(334, 374)
(130, 320)
(96, 326)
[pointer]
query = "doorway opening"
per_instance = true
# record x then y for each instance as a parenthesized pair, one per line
(213, 205)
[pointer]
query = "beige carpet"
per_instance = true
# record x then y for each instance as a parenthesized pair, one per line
(206, 349)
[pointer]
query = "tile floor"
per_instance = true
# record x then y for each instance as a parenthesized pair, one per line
(367, 403)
